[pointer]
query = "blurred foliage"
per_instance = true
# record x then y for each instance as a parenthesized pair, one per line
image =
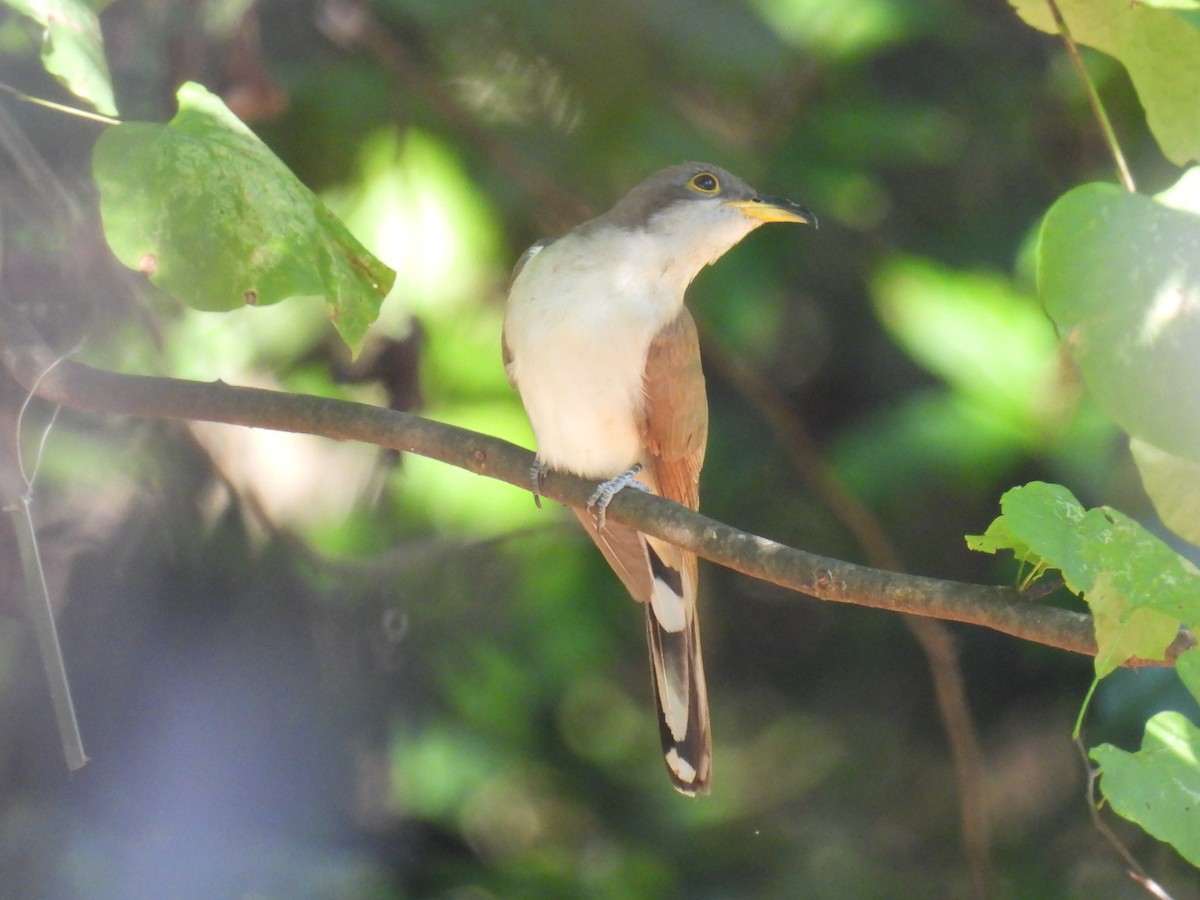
(306, 670)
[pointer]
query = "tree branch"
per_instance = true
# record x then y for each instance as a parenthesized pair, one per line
(92, 390)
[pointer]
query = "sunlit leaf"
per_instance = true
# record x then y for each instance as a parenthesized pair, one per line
(205, 209)
(1138, 588)
(1120, 275)
(1159, 786)
(72, 48)
(1160, 48)
(1039, 522)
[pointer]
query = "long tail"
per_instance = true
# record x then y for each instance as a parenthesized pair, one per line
(673, 635)
(663, 578)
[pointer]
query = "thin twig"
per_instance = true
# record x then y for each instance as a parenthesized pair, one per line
(1134, 869)
(1110, 135)
(59, 107)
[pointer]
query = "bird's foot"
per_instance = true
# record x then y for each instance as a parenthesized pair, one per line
(537, 474)
(606, 490)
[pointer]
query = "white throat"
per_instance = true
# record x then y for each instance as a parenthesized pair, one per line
(580, 318)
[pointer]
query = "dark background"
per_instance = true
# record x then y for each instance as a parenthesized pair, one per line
(310, 670)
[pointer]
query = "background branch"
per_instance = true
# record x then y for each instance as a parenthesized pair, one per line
(92, 390)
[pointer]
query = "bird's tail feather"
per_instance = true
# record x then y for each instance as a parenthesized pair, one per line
(663, 578)
(678, 677)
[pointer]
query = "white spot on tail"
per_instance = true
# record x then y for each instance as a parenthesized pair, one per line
(683, 770)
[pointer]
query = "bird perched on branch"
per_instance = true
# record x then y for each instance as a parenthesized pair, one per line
(605, 356)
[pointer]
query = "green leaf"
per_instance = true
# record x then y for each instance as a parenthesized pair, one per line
(1173, 484)
(1159, 786)
(1038, 522)
(1188, 667)
(1119, 274)
(1123, 630)
(72, 48)
(217, 220)
(1138, 588)
(1158, 46)
(1141, 565)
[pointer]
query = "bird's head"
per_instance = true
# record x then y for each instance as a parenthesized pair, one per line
(697, 211)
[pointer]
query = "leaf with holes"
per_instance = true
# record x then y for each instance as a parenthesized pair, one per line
(1138, 589)
(216, 220)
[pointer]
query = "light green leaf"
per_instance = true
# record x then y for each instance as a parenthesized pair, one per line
(1173, 484)
(214, 218)
(1140, 565)
(1040, 523)
(1158, 46)
(1159, 786)
(999, 537)
(1124, 631)
(1138, 588)
(72, 48)
(1119, 274)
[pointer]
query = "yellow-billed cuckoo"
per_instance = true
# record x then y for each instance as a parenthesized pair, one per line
(606, 359)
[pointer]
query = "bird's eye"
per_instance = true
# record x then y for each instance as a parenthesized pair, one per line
(705, 183)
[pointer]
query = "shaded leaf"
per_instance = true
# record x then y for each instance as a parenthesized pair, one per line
(1159, 786)
(1120, 275)
(214, 218)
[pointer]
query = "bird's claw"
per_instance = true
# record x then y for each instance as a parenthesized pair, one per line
(537, 474)
(606, 490)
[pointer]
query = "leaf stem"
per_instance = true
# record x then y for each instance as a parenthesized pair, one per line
(59, 107)
(1110, 136)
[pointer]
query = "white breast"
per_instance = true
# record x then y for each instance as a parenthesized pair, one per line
(578, 333)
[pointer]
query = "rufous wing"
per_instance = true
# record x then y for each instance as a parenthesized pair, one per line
(674, 430)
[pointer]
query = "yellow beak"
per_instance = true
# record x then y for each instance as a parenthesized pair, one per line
(775, 209)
